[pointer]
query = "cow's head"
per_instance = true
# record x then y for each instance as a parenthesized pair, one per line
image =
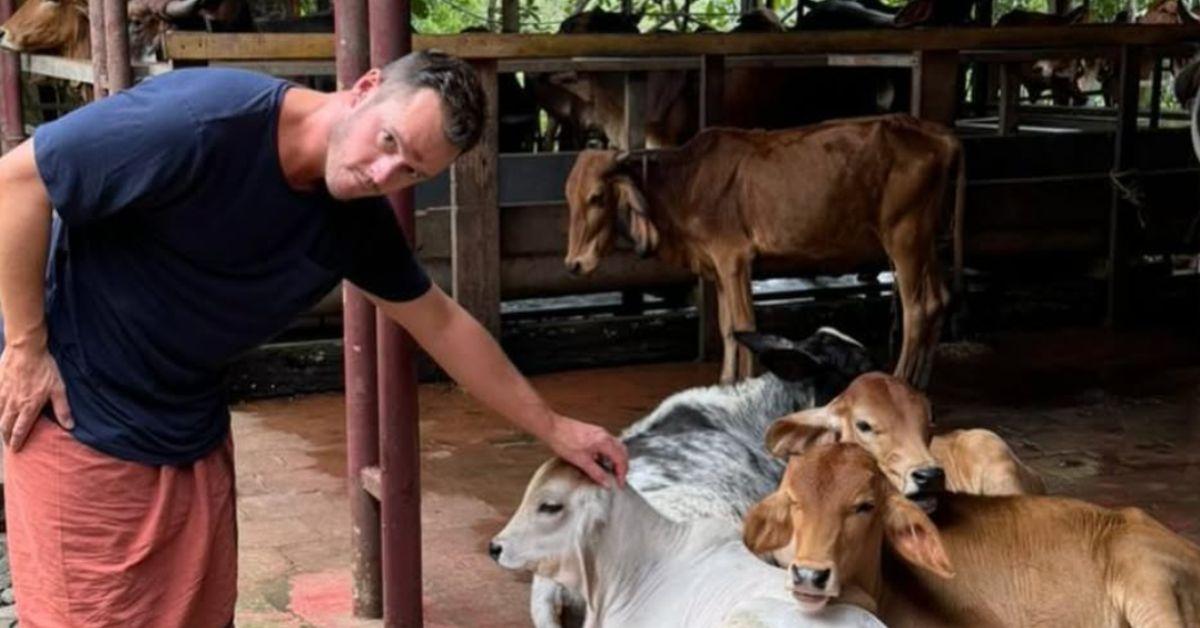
(51, 26)
(600, 21)
(604, 197)
(934, 13)
(884, 415)
(149, 20)
(834, 508)
(561, 509)
(828, 358)
(1168, 12)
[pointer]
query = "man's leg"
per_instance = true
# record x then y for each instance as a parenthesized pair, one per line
(96, 542)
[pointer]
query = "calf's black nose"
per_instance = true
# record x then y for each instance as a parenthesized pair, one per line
(816, 578)
(930, 479)
(574, 268)
(494, 550)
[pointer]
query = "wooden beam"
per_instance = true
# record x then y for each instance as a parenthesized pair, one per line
(476, 234)
(372, 481)
(205, 46)
(78, 69)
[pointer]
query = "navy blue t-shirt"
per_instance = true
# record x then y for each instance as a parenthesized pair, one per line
(180, 247)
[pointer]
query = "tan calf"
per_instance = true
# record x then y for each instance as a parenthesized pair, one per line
(832, 197)
(892, 421)
(980, 561)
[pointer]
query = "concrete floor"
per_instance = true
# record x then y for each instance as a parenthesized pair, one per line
(1114, 419)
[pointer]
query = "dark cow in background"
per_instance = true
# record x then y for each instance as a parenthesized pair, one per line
(836, 196)
(1060, 76)
(149, 20)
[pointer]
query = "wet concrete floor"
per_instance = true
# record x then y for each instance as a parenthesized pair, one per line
(1114, 419)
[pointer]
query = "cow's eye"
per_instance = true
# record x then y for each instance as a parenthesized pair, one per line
(550, 508)
(863, 427)
(864, 508)
(596, 198)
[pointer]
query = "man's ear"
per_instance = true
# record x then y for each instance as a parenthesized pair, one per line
(365, 86)
(914, 536)
(768, 525)
(795, 433)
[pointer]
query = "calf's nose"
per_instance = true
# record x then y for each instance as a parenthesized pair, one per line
(494, 550)
(574, 267)
(930, 479)
(816, 578)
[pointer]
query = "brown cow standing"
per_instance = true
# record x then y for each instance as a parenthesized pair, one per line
(831, 196)
(989, 562)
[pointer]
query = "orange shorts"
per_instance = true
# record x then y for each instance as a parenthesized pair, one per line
(98, 541)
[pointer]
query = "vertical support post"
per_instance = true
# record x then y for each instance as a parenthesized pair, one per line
(712, 102)
(400, 529)
(99, 49)
(634, 127)
(12, 125)
(475, 233)
(358, 340)
(510, 16)
(116, 46)
(935, 86)
(391, 37)
(1010, 89)
(1123, 160)
(1156, 91)
(981, 82)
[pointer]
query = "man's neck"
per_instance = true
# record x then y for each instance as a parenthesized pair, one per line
(305, 120)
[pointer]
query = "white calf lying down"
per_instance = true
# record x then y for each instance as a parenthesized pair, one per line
(700, 453)
(637, 568)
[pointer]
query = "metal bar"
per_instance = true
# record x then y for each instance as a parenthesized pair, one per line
(1123, 160)
(1156, 92)
(1010, 88)
(391, 37)
(634, 126)
(116, 46)
(362, 393)
(712, 100)
(12, 131)
(99, 49)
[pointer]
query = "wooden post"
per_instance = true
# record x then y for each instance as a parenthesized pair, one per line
(935, 86)
(981, 82)
(1123, 160)
(116, 46)
(1010, 90)
(99, 54)
(12, 125)
(475, 236)
(634, 127)
(712, 99)
(510, 16)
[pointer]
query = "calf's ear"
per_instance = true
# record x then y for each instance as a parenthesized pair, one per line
(914, 536)
(768, 525)
(795, 433)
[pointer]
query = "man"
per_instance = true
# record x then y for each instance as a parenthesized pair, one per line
(193, 217)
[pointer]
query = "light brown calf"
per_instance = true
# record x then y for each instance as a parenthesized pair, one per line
(892, 421)
(988, 561)
(833, 197)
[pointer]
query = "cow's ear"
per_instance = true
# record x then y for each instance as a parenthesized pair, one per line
(768, 525)
(633, 212)
(796, 433)
(913, 535)
(780, 356)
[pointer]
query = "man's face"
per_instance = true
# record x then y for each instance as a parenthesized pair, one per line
(388, 144)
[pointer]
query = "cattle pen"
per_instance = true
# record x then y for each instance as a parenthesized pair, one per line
(1101, 202)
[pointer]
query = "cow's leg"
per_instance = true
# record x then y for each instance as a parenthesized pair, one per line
(552, 605)
(922, 297)
(737, 314)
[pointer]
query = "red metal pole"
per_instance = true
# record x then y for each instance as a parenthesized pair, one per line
(391, 38)
(99, 58)
(116, 45)
(12, 127)
(358, 340)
